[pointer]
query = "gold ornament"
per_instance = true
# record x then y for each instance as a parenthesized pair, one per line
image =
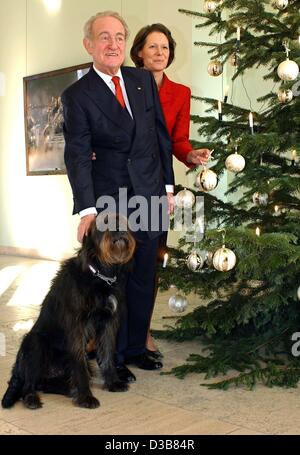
(209, 259)
(260, 199)
(215, 68)
(185, 199)
(285, 96)
(288, 70)
(207, 180)
(194, 262)
(224, 259)
(210, 6)
(281, 4)
(235, 162)
(234, 60)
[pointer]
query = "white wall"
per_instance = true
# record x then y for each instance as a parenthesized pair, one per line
(35, 211)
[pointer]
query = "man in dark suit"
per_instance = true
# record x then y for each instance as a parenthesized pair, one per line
(115, 112)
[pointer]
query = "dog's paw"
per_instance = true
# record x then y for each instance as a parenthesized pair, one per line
(32, 401)
(89, 402)
(118, 386)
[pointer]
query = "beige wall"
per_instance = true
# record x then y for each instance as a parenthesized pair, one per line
(35, 212)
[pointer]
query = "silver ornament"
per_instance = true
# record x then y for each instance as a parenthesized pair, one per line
(285, 96)
(260, 199)
(288, 70)
(215, 68)
(281, 4)
(194, 262)
(185, 199)
(298, 293)
(235, 162)
(207, 180)
(210, 6)
(178, 303)
(224, 259)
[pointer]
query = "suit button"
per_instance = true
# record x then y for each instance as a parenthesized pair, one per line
(129, 161)
(153, 156)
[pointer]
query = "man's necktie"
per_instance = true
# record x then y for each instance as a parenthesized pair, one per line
(119, 94)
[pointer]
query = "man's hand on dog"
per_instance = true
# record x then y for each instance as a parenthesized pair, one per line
(84, 225)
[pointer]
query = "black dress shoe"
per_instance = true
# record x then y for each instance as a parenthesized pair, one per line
(154, 354)
(144, 362)
(124, 374)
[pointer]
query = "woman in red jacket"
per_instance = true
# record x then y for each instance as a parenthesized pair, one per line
(154, 49)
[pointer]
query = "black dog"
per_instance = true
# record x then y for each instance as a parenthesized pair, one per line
(85, 302)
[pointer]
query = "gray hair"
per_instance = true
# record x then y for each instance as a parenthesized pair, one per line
(88, 27)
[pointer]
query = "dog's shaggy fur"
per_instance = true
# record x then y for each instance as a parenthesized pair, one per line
(79, 306)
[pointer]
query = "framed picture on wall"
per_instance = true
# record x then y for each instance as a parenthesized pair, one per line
(44, 119)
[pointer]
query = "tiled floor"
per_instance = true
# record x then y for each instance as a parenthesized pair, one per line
(155, 404)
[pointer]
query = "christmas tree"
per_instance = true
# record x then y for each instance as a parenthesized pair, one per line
(250, 268)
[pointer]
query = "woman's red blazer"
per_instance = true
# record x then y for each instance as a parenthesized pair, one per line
(175, 100)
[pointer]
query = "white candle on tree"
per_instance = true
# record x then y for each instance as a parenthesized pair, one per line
(251, 123)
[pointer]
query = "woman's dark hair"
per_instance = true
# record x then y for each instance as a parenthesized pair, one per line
(140, 40)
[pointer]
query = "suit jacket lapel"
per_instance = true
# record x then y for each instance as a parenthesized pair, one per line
(104, 98)
(134, 90)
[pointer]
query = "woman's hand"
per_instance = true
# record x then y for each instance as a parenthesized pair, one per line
(198, 156)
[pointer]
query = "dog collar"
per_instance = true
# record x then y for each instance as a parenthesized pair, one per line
(107, 279)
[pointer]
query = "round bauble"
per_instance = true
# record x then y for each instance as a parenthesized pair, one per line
(235, 162)
(194, 262)
(281, 4)
(224, 259)
(178, 303)
(260, 199)
(209, 255)
(207, 180)
(298, 293)
(288, 70)
(210, 6)
(185, 199)
(285, 96)
(234, 60)
(215, 68)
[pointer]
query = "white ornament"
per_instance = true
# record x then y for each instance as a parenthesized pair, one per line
(210, 6)
(224, 259)
(285, 96)
(235, 162)
(185, 199)
(281, 4)
(215, 68)
(288, 70)
(194, 262)
(178, 303)
(298, 293)
(207, 180)
(260, 199)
